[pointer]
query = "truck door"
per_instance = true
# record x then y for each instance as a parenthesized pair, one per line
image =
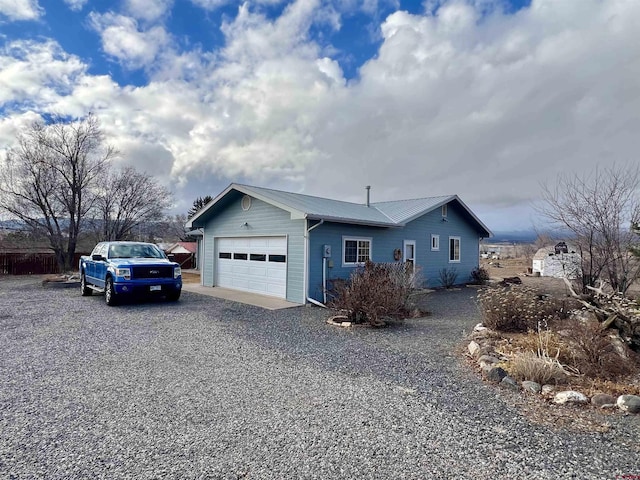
(90, 267)
(100, 266)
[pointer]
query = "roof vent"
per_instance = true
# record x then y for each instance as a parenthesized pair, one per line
(368, 187)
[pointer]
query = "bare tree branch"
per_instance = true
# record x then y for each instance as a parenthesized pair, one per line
(47, 180)
(599, 209)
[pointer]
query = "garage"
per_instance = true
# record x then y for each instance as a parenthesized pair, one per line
(253, 264)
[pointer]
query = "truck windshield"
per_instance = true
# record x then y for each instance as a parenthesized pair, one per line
(134, 251)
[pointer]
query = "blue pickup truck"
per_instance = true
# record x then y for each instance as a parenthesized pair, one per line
(127, 269)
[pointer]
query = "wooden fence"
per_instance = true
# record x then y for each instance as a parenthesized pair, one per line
(31, 263)
(40, 263)
(186, 260)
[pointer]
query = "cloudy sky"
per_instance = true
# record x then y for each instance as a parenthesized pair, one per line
(483, 98)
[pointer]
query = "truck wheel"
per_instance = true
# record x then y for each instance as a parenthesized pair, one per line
(174, 296)
(110, 292)
(86, 291)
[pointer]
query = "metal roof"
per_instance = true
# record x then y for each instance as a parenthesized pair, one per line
(402, 211)
(307, 206)
(382, 214)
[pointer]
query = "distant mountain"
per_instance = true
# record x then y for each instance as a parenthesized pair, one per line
(14, 225)
(514, 236)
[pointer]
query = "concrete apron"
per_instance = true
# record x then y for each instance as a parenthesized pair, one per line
(263, 301)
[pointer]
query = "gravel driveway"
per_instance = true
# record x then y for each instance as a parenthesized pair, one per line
(206, 388)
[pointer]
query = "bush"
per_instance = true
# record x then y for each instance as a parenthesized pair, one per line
(594, 353)
(530, 366)
(448, 277)
(479, 276)
(376, 292)
(519, 308)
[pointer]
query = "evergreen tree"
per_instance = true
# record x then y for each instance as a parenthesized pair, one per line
(198, 204)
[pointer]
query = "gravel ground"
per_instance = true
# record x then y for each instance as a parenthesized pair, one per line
(206, 388)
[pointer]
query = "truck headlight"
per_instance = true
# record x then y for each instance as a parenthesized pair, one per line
(123, 272)
(177, 272)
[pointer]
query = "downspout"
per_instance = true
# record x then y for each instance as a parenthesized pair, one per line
(202, 260)
(309, 299)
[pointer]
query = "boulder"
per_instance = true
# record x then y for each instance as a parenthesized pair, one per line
(570, 396)
(488, 359)
(495, 374)
(480, 328)
(473, 348)
(602, 399)
(547, 389)
(531, 387)
(509, 383)
(629, 403)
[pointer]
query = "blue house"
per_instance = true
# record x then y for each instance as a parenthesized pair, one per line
(290, 245)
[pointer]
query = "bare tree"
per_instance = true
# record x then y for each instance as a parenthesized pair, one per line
(127, 200)
(47, 180)
(599, 210)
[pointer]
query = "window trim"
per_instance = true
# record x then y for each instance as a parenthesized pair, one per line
(356, 239)
(455, 237)
(444, 210)
(436, 247)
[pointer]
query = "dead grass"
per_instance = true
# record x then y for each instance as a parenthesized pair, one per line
(543, 370)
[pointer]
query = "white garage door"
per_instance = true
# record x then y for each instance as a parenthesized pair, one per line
(253, 264)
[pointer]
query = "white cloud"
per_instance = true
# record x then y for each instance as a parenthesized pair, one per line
(122, 39)
(148, 10)
(76, 5)
(453, 102)
(20, 9)
(36, 74)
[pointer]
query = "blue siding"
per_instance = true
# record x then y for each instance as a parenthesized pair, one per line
(386, 240)
(262, 219)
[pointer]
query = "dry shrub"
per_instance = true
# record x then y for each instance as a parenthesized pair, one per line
(518, 308)
(376, 292)
(530, 366)
(448, 277)
(552, 344)
(479, 276)
(594, 353)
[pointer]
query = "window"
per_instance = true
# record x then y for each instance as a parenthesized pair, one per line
(278, 258)
(240, 256)
(226, 255)
(355, 251)
(258, 257)
(435, 242)
(444, 211)
(454, 249)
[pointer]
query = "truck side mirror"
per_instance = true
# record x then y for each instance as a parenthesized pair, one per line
(97, 257)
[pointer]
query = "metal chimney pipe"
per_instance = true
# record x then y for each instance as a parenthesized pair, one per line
(368, 187)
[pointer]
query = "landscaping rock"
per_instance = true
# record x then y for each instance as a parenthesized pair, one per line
(495, 374)
(629, 403)
(570, 396)
(473, 348)
(480, 328)
(602, 399)
(547, 389)
(509, 383)
(488, 359)
(531, 387)
(485, 350)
